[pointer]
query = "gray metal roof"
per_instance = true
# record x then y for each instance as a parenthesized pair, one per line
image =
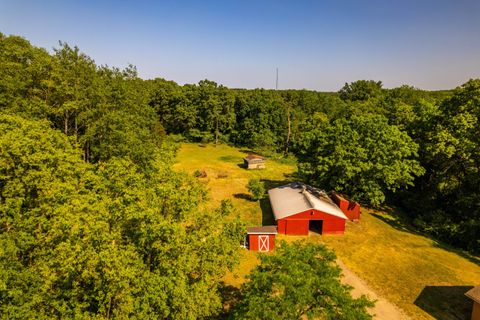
(262, 230)
(297, 197)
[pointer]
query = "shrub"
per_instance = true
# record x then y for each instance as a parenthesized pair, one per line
(256, 188)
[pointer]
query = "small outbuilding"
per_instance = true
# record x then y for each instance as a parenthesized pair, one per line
(261, 239)
(299, 208)
(350, 208)
(254, 161)
(474, 294)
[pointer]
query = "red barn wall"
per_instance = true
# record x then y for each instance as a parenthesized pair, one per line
(476, 311)
(350, 208)
(297, 227)
(253, 241)
(298, 224)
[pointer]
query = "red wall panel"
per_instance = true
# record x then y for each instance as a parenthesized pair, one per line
(297, 227)
(333, 226)
(350, 208)
(253, 242)
(298, 224)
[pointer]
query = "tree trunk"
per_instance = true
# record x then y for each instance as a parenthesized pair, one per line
(76, 129)
(65, 120)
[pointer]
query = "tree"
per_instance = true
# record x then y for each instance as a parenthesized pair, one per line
(449, 207)
(299, 281)
(215, 107)
(105, 240)
(256, 188)
(25, 77)
(361, 90)
(362, 156)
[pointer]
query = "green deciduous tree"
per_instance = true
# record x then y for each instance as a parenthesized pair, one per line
(362, 156)
(298, 281)
(256, 188)
(361, 90)
(104, 240)
(446, 201)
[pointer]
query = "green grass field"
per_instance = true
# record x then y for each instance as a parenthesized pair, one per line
(421, 277)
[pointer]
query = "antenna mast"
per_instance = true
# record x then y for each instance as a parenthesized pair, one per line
(276, 81)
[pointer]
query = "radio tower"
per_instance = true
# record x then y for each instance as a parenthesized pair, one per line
(276, 81)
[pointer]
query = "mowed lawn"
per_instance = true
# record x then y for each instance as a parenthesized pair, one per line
(412, 271)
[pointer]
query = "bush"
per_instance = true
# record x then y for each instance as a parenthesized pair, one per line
(256, 188)
(200, 174)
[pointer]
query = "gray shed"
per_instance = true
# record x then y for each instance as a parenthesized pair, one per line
(254, 161)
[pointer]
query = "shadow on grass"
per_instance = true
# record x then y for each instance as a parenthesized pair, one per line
(230, 158)
(294, 176)
(267, 213)
(247, 151)
(242, 166)
(230, 296)
(398, 221)
(445, 302)
(270, 184)
(243, 196)
(463, 254)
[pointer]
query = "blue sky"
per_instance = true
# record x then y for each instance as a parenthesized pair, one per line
(431, 44)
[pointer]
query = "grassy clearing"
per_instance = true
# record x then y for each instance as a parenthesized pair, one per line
(412, 271)
(224, 160)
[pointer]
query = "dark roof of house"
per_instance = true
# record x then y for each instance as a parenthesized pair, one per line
(262, 230)
(297, 197)
(251, 157)
(474, 294)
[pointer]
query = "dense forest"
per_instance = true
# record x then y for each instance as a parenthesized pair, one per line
(94, 222)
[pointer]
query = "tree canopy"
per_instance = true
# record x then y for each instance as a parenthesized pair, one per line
(362, 156)
(299, 281)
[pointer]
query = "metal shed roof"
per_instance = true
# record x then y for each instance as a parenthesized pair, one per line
(474, 294)
(298, 197)
(262, 230)
(254, 157)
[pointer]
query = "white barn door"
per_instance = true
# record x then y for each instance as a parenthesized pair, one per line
(263, 243)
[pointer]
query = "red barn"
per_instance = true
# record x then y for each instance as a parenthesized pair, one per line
(261, 238)
(350, 208)
(298, 208)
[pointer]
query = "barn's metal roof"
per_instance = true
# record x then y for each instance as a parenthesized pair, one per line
(474, 294)
(297, 197)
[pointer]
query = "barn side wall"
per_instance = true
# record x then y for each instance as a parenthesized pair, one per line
(350, 208)
(476, 311)
(298, 224)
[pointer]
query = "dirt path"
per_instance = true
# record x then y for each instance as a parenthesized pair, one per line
(383, 310)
